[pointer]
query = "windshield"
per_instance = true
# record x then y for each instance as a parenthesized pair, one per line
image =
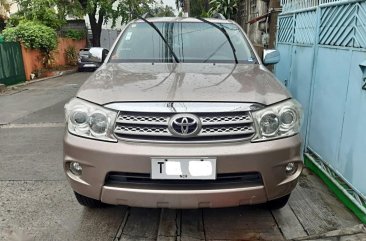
(191, 42)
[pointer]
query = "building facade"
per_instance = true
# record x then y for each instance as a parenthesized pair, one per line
(259, 20)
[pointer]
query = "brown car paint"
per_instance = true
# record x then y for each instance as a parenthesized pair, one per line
(146, 82)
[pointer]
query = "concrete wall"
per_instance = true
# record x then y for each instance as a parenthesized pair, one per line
(32, 58)
(258, 30)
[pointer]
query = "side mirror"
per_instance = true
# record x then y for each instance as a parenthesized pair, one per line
(105, 53)
(271, 56)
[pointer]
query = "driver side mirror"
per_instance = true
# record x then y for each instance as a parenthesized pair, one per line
(104, 55)
(271, 56)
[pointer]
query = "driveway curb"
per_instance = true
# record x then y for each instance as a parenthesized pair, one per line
(4, 89)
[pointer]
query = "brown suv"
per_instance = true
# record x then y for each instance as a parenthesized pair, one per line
(183, 114)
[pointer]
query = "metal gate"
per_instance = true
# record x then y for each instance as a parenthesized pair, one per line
(323, 51)
(11, 63)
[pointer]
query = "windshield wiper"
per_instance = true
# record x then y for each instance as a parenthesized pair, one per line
(162, 37)
(223, 30)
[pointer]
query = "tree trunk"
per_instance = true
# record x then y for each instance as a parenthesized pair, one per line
(187, 7)
(96, 27)
(207, 6)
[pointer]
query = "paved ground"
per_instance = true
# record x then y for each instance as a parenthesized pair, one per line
(36, 202)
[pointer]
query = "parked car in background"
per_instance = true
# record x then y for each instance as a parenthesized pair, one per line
(183, 114)
(91, 58)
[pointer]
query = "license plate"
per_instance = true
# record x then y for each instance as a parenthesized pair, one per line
(90, 65)
(183, 168)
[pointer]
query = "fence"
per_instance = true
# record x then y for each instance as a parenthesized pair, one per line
(11, 64)
(300, 5)
(323, 45)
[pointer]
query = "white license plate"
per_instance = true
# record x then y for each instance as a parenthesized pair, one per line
(90, 65)
(183, 168)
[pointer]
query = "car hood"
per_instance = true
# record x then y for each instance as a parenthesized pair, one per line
(146, 82)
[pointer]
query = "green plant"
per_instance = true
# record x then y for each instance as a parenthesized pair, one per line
(42, 11)
(33, 35)
(226, 7)
(15, 19)
(71, 56)
(75, 34)
(48, 59)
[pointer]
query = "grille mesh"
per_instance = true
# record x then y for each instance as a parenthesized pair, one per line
(222, 126)
(219, 119)
(232, 130)
(142, 119)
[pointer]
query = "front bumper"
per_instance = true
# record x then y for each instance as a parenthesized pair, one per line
(100, 158)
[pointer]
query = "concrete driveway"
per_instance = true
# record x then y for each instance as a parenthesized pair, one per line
(36, 202)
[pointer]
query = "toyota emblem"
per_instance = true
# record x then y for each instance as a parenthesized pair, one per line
(184, 125)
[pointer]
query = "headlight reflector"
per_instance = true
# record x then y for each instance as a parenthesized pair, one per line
(79, 117)
(98, 123)
(269, 124)
(277, 121)
(89, 120)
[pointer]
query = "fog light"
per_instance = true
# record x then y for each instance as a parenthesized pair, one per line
(291, 168)
(76, 168)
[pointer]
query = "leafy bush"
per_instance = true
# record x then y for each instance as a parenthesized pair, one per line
(15, 19)
(48, 59)
(228, 8)
(71, 56)
(33, 35)
(75, 34)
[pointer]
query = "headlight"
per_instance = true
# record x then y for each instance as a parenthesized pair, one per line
(89, 120)
(277, 121)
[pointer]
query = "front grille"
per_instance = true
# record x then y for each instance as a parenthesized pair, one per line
(121, 179)
(223, 126)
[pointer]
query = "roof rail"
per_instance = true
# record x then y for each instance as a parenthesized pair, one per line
(218, 16)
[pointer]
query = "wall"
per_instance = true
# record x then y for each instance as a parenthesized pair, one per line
(32, 58)
(108, 37)
(253, 9)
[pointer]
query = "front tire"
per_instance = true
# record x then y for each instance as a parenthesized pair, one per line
(278, 203)
(88, 202)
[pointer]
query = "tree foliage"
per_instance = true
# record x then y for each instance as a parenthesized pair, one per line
(33, 35)
(103, 11)
(4, 8)
(228, 8)
(199, 8)
(162, 11)
(51, 13)
(42, 11)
